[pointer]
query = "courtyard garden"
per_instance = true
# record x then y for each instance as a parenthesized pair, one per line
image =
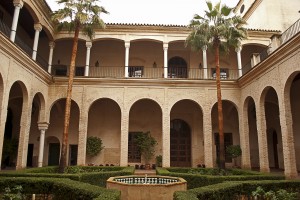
(89, 182)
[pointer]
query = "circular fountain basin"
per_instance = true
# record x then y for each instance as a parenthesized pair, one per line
(146, 187)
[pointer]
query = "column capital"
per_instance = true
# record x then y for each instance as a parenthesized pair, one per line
(204, 48)
(238, 49)
(88, 44)
(52, 44)
(166, 45)
(127, 44)
(38, 27)
(18, 3)
(43, 125)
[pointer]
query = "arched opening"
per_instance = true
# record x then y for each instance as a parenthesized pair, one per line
(180, 148)
(177, 67)
(253, 136)
(145, 115)
(274, 136)
(251, 54)
(295, 109)
(104, 122)
(34, 133)
(186, 134)
(53, 153)
(56, 125)
(230, 129)
(12, 126)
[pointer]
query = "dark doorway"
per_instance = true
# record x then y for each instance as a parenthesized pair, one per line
(180, 144)
(30, 155)
(275, 143)
(54, 151)
(73, 151)
(134, 155)
(227, 142)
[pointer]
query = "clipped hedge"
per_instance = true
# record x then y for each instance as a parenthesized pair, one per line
(231, 190)
(197, 180)
(89, 174)
(61, 188)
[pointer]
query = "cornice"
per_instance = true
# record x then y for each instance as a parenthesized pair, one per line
(18, 54)
(274, 58)
(148, 83)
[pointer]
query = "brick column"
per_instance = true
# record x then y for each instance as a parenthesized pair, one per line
(3, 115)
(286, 121)
(166, 162)
(262, 138)
(124, 137)
(24, 134)
(244, 137)
(208, 138)
(82, 135)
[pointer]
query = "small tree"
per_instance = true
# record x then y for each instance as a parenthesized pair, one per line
(234, 151)
(94, 146)
(146, 145)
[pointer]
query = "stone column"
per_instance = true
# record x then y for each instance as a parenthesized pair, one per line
(262, 138)
(124, 138)
(286, 122)
(43, 126)
(51, 45)
(87, 61)
(208, 138)
(127, 46)
(204, 49)
(165, 47)
(18, 5)
(239, 60)
(24, 134)
(244, 138)
(38, 28)
(166, 162)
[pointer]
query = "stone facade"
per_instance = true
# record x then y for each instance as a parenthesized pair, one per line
(260, 107)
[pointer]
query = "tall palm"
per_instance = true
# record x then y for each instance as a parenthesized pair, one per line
(220, 31)
(75, 15)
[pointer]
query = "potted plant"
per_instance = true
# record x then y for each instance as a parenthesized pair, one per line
(146, 145)
(234, 151)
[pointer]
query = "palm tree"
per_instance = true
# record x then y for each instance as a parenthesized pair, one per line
(219, 31)
(75, 15)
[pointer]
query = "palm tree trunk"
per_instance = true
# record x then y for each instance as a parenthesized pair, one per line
(63, 157)
(220, 110)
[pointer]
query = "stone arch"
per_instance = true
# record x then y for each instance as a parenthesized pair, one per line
(56, 126)
(250, 128)
(230, 128)
(41, 106)
(291, 100)
(34, 16)
(55, 101)
(104, 121)
(145, 115)
(189, 112)
(269, 105)
(133, 101)
(177, 67)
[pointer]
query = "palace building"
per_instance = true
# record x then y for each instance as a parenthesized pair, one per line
(141, 77)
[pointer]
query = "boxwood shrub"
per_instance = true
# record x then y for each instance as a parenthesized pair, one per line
(231, 190)
(198, 180)
(61, 188)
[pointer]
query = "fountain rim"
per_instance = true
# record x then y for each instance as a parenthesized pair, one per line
(180, 180)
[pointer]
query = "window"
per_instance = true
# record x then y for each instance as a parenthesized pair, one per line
(134, 155)
(242, 8)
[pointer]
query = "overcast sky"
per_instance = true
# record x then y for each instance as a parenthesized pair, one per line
(178, 12)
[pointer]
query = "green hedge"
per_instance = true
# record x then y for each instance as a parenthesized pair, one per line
(196, 180)
(92, 174)
(230, 190)
(61, 188)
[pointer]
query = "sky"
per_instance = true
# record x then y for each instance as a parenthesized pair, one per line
(175, 12)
